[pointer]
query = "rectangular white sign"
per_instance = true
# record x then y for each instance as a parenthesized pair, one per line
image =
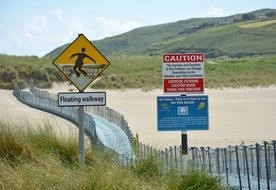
(183, 73)
(81, 99)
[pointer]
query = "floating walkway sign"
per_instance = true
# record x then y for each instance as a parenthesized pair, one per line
(81, 62)
(183, 73)
(182, 113)
(81, 99)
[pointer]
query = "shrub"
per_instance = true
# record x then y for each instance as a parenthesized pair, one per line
(12, 147)
(7, 76)
(248, 16)
(271, 14)
(146, 168)
(198, 180)
(19, 83)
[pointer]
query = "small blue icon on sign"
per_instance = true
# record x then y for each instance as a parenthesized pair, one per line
(182, 111)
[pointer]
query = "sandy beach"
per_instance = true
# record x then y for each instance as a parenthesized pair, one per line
(13, 110)
(236, 115)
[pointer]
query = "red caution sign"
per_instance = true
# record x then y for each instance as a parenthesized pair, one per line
(183, 73)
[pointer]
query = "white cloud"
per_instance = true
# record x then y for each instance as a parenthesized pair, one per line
(80, 25)
(43, 33)
(60, 15)
(114, 26)
(38, 26)
(214, 12)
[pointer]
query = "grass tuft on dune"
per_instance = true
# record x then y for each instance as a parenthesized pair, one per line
(41, 159)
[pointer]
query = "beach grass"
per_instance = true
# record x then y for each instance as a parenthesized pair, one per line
(40, 159)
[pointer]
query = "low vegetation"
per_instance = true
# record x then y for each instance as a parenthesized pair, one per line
(146, 73)
(141, 72)
(245, 72)
(39, 159)
(132, 72)
(18, 70)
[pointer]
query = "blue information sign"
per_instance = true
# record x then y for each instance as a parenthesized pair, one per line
(182, 113)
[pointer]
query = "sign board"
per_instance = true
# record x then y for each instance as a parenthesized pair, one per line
(182, 113)
(81, 62)
(81, 99)
(183, 72)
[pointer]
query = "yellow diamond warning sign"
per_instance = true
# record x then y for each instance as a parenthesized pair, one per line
(81, 62)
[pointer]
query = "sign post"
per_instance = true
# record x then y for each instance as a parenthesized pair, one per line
(184, 143)
(81, 135)
(81, 63)
(184, 149)
(183, 73)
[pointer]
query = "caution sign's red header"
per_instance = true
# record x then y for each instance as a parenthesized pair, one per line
(183, 57)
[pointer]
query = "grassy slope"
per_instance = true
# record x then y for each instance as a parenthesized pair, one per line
(230, 40)
(146, 72)
(250, 72)
(132, 72)
(197, 34)
(142, 72)
(41, 160)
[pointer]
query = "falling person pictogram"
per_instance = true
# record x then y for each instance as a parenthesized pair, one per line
(79, 62)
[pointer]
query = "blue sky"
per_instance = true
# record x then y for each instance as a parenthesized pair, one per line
(35, 27)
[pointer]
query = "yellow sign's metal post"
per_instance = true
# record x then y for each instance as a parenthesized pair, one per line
(81, 135)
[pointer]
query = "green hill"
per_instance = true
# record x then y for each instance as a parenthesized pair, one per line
(239, 35)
